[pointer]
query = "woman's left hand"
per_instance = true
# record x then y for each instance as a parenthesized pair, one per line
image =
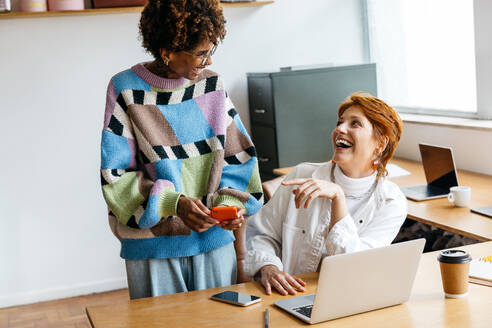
(310, 189)
(236, 223)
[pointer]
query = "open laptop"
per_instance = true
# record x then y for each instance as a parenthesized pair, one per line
(359, 282)
(440, 173)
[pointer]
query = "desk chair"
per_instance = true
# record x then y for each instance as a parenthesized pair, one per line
(270, 186)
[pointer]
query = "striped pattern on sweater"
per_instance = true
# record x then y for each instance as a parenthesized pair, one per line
(163, 138)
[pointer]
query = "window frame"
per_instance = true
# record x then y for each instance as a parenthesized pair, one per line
(482, 10)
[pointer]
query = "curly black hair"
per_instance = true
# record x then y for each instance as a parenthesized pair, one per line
(177, 25)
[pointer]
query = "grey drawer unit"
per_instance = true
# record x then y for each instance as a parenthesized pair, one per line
(294, 112)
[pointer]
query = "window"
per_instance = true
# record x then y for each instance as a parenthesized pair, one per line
(425, 54)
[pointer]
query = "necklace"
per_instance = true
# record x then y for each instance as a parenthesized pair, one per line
(358, 196)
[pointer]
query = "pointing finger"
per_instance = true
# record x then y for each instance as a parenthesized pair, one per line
(293, 182)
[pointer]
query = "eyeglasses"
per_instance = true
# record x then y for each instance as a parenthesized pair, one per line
(203, 56)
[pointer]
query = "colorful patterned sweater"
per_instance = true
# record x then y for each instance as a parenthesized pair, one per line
(163, 138)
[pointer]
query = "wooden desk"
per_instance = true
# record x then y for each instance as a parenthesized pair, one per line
(441, 213)
(427, 306)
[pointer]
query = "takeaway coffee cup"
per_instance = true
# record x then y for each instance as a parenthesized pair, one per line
(455, 264)
(459, 195)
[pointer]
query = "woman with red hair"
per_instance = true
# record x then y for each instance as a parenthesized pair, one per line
(323, 209)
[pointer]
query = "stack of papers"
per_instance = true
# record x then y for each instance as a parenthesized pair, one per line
(395, 171)
(481, 271)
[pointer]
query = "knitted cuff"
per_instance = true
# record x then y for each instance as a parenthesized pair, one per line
(168, 203)
(228, 200)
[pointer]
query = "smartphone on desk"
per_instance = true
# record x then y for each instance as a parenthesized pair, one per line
(236, 298)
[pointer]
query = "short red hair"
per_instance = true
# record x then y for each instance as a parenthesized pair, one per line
(384, 119)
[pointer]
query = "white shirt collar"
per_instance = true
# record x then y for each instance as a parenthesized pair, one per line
(354, 186)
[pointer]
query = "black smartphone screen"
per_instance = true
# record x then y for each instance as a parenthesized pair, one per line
(235, 297)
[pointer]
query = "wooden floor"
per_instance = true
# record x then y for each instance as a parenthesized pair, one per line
(67, 313)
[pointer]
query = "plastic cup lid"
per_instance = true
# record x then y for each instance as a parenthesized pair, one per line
(454, 256)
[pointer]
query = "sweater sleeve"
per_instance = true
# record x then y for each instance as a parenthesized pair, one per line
(134, 198)
(240, 183)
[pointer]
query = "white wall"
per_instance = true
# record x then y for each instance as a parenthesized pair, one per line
(471, 147)
(54, 237)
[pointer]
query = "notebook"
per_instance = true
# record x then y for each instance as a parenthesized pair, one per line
(481, 271)
(487, 211)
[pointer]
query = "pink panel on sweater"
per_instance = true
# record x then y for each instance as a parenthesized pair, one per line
(133, 149)
(150, 169)
(159, 186)
(212, 105)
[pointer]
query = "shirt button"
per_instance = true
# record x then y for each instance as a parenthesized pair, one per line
(303, 231)
(360, 221)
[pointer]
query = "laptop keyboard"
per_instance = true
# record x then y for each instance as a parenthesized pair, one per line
(424, 191)
(305, 310)
(436, 191)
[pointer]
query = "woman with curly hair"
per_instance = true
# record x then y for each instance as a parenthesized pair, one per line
(173, 146)
(324, 209)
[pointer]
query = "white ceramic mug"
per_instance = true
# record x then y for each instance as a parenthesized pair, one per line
(460, 195)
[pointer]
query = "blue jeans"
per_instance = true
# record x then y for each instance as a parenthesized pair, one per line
(155, 277)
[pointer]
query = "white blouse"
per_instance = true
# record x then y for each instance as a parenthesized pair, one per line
(295, 240)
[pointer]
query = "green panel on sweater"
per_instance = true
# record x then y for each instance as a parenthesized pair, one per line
(195, 173)
(254, 185)
(123, 196)
(155, 89)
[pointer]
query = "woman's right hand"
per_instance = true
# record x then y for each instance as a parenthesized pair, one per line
(194, 214)
(283, 282)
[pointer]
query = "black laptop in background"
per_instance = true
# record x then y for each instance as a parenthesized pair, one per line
(440, 173)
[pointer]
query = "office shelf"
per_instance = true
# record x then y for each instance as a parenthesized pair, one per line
(116, 10)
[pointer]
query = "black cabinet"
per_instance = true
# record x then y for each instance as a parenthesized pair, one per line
(260, 99)
(292, 113)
